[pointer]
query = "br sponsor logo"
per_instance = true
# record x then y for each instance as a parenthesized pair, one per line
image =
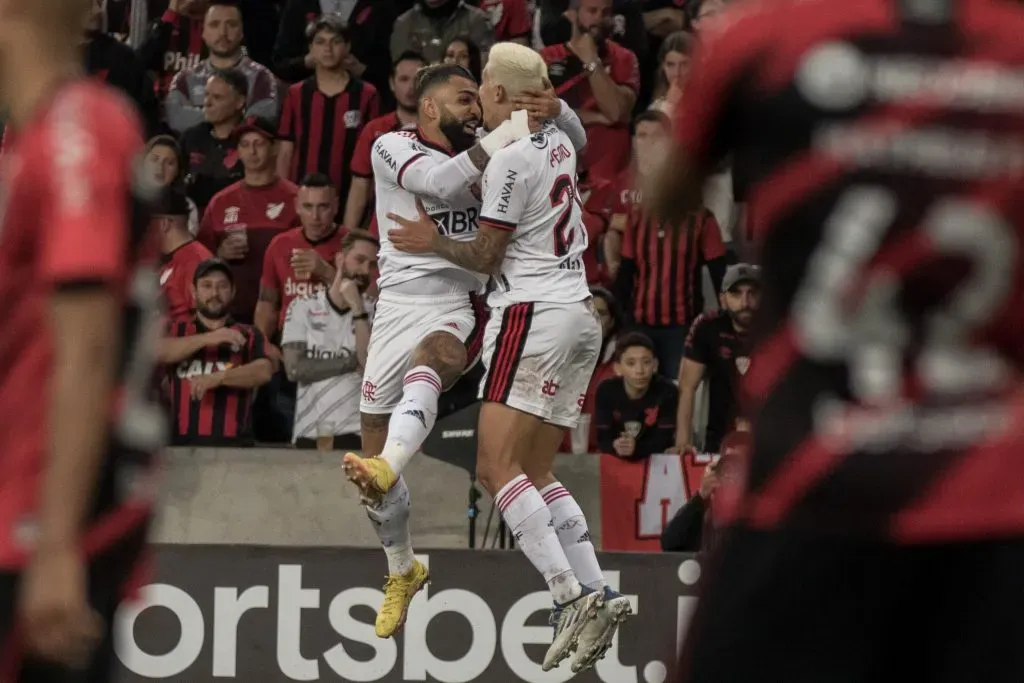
(293, 624)
(456, 222)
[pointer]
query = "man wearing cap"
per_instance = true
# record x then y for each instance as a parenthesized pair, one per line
(214, 365)
(243, 218)
(180, 253)
(719, 348)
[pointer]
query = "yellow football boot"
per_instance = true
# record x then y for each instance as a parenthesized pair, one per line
(398, 593)
(373, 476)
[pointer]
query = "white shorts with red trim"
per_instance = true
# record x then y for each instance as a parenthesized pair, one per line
(400, 322)
(539, 358)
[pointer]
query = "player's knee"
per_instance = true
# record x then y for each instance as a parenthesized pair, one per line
(494, 470)
(444, 354)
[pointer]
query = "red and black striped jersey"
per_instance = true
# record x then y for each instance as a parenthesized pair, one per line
(223, 416)
(884, 147)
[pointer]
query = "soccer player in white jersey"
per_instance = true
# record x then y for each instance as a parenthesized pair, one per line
(324, 344)
(540, 348)
(426, 327)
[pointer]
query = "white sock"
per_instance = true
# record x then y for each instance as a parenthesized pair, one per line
(574, 535)
(391, 522)
(528, 518)
(413, 418)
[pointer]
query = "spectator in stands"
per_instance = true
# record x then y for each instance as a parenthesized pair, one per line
(359, 206)
(180, 253)
(694, 528)
(166, 169)
(324, 114)
(612, 323)
(222, 34)
(215, 365)
(464, 52)
(324, 345)
(673, 68)
(209, 147)
(661, 277)
(699, 11)
(174, 42)
(600, 80)
(299, 262)
(369, 22)
(512, 19)
(635, 413)
(719, 349)
(242, 219)
(432, 24)
(114, 62)
(651, 132)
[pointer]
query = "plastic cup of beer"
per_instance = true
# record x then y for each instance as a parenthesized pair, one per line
(325, 435)
(298, 275)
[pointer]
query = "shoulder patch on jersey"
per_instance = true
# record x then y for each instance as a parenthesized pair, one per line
(539, 140)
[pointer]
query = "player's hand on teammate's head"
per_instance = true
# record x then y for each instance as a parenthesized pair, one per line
(539, 105)
(415, 235)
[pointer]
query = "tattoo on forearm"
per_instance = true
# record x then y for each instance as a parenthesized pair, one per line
(270, 296)
(305, 370)
(483, 254)
(478, 156)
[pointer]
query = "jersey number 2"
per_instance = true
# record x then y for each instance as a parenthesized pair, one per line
(563, 192)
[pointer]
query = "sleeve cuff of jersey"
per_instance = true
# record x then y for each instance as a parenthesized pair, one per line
(495, 223)
(360, 174)
(409, 162)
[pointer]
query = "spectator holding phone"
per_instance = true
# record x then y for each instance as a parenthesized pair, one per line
(694, 526)
(635, 412)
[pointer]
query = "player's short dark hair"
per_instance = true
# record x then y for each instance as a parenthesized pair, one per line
(408, 56)
(171, 202)
(632, 340)
(429, 77)
(652, 116)
(332, 23)
(357, 235)
(235, 78)
(316, 180)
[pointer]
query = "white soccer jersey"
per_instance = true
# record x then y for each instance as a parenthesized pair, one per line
(327, 333)
(404, 169)
(530, 188)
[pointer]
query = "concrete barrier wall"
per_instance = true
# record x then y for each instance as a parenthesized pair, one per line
(300, 498)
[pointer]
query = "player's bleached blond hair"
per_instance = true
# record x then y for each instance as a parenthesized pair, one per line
(516, 68)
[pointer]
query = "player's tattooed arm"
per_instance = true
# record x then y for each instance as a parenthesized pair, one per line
(485, 254)
(479, 156)
(304, 370)
(420, 236)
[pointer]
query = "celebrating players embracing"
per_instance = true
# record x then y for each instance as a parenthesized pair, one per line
(427, 327)
(78, 296)
(540, 349)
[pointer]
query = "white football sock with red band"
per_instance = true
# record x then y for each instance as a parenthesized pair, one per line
(574, 535)
(413, 418)
(529, 519)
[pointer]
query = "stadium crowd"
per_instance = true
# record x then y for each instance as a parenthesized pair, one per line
(262, 116)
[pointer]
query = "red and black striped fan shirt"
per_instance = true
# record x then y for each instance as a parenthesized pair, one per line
(223, 417)
(661, 276)
(324, 129)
